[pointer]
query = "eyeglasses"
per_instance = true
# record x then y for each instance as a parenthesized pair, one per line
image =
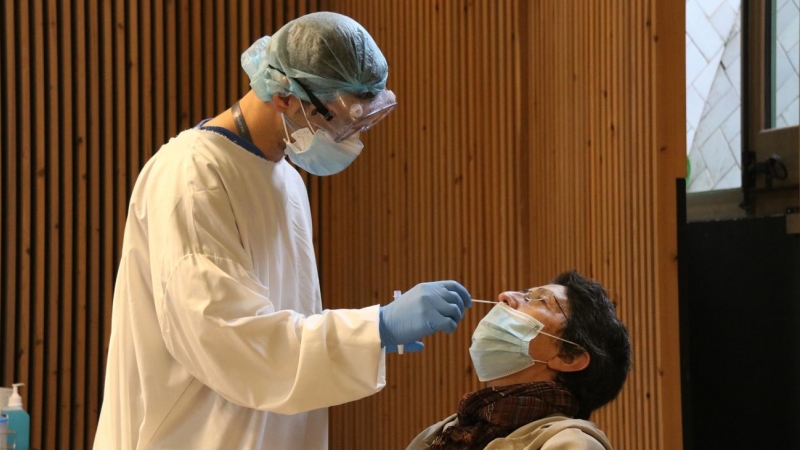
(531, 296)
(538, 294)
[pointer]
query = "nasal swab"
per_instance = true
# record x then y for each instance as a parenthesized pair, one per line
(494, 303)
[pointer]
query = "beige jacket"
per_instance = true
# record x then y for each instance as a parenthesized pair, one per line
(551, 433)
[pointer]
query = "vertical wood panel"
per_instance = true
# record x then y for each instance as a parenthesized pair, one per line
(527, 140)
(81, 229)
(10, 186)
(105, 216)
(668, 164)
(24, 319)
(3, 201)
(66, 295)
(53, 181)
(160, 101)
(38, 245)
(134, 65)
(171, 72)
(232, 51)
(185, 59)
(118, 157)
(221, 86)
(97, 77)
(88, 92)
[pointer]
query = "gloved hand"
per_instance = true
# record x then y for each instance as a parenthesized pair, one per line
(423, 310)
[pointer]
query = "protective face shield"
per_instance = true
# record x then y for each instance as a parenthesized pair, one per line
(316, 152)
(346, 114)
(500, 343)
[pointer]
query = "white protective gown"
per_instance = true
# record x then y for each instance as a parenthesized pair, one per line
(218, 337)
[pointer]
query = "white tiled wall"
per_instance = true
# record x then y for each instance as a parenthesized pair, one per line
(713, 86)
(713, 93)
(786, 64)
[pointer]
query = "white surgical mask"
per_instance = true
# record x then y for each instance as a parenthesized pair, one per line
(500, 343)
(316, 153)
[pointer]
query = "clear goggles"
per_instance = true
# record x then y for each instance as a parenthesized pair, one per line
(348, 114)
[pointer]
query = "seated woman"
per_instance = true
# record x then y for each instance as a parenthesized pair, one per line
(549, 356)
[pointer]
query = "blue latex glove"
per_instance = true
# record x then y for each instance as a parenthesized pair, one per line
(422, 311)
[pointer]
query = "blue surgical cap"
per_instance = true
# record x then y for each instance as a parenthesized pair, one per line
(326, 52)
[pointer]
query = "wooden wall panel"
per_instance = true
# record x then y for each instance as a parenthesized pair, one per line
(89, 90)
(530, 137)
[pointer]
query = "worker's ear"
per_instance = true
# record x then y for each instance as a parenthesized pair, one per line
(570, 363)
(288, 104)
(281, 103)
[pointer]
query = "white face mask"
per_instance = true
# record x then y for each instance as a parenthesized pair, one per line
(316, 153)
(500, 342)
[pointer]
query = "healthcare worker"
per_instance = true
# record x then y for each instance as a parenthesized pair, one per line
(218, 337)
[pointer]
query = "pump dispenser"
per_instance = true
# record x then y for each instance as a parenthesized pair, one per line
(15, 399)
(18, 420)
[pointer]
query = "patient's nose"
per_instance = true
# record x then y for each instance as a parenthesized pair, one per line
(510, 298)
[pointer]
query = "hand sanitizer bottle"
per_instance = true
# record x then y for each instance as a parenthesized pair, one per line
(18, 420)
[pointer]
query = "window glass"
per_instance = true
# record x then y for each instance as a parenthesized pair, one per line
(713, 94)
(783, 80)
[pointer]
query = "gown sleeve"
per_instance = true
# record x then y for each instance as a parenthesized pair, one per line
(218, 322)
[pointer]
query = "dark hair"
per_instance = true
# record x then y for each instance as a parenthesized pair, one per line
(593, 324)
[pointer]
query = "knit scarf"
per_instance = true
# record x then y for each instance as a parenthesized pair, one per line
(495, 412)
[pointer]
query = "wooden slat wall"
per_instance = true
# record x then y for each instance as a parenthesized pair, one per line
(530, 137)
(89, 89)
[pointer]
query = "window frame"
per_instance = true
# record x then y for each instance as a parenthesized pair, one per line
(759, 142)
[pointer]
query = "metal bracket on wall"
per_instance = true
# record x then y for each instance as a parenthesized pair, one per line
(772, 168)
